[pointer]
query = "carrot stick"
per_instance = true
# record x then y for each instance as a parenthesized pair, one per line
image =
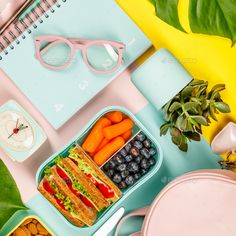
(127, 135)
(118, 129)
(103, 155)
(114, 116)
(101, 145)
(95, 137)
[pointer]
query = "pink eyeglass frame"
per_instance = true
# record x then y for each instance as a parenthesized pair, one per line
(76, 44)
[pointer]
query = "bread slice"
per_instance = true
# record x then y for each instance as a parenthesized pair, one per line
(98, 199)
(98, 171)
(53, 201)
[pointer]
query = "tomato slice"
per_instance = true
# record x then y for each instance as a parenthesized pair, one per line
(92, 179)
(62, 173)
(74, 161)
(48, 187)
(60, 203)
(106, 190)
(86, 201)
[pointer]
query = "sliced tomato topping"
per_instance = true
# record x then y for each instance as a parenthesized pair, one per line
(74, 161)
(77, 193)
(48, 187)
(60, 203)
(106, 190)
(92, 179)
(86, 201)
(62, 173)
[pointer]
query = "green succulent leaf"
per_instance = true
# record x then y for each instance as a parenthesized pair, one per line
(187, 91)
(175, 106)
(212, 112)
(214, 17)
(166, 107)
(164, 128)
(167, 10)
(182, 122)
(200, 119)
(222, 107)
(190, 105)
(193, 135)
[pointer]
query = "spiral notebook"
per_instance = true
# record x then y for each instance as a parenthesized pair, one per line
(58, 95)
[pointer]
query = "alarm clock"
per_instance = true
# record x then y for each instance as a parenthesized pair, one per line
(20, 134)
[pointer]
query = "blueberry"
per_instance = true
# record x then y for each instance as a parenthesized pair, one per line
(110, 173)
(152, 151)
(152, 161)
(121, 167)
(124, 174)
(138, 159)
(119, 159)
(122, 185)
(138, 144)
(144, 152)
(128, 147)
(106, 167)
(117, 178)
(140, 137)
(129, 180)
(147, 143)
(145, 164)
(133, 167)
(123, 152)
(137, 176)
(128, 158)
(143, 171)
(134, 151)
(112, 164)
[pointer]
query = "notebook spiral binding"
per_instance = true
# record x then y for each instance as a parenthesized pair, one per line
(22, 27)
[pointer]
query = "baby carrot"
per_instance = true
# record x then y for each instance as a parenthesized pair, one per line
(114, 116)
(127, 135)
(107, 151)
(95, 137)
(101, 145)
(118, 129)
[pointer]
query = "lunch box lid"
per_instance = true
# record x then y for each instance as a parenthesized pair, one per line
(198, 203)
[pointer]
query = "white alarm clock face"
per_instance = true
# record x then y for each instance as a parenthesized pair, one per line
(15, 131)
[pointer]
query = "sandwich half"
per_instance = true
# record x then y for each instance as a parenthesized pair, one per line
(108, 189)
(56, 190)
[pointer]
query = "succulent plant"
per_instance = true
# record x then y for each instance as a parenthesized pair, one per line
(191, 108)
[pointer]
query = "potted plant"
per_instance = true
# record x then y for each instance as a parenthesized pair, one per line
(191, 108)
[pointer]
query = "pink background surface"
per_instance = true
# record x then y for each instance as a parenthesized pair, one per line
(121, 92)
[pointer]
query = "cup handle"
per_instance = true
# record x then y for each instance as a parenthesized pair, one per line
(139, 212)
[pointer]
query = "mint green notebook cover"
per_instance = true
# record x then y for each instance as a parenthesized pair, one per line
(58, 95)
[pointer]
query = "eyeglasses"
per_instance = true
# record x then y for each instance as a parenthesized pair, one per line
(56, 53)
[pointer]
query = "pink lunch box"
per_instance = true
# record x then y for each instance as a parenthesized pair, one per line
(199, 203)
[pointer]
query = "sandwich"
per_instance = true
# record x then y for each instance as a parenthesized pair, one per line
(109, 190)
(78, 188)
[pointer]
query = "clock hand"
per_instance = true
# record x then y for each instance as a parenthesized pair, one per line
(16, 130)
(17, 121)
(23, 127)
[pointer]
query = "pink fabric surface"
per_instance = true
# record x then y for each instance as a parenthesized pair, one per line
(121, 92)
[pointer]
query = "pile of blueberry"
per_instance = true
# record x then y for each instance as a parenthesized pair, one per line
(131, 162)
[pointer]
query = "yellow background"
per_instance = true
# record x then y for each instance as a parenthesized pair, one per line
(206, 57)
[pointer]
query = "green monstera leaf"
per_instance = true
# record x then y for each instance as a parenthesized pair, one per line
(10, 199)
(213, 17)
